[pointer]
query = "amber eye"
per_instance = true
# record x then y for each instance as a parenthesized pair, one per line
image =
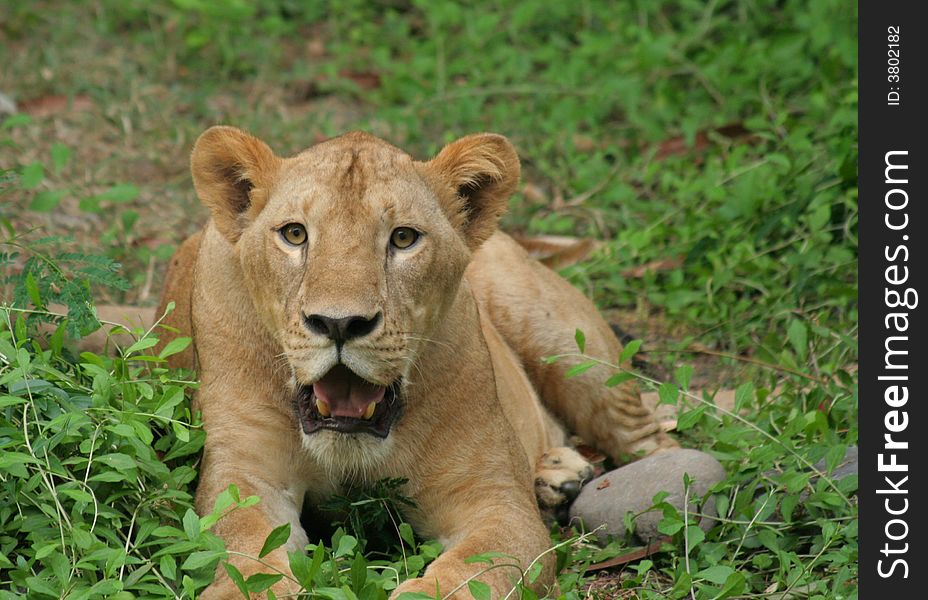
(294, 234)
(403, 237)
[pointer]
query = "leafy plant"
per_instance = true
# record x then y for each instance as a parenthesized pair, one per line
(711, 147)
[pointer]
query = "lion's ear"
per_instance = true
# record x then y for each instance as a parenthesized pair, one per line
(478, 174)
(232, 173)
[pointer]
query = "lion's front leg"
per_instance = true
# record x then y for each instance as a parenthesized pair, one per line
(258, 458)
(477, 519)
(559, 476)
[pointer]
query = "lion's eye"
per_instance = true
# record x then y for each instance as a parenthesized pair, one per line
(403, 237)
(294, 234)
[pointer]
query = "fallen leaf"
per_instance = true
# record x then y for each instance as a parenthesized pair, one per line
(556, 251)
(583, 143)
(632, 556)
(603, 484)
(677, 145)
(45, 106)
(534, 194)
(662, 264)
(366, 80)
(591, 454)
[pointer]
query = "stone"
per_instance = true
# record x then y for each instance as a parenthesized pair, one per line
(603, 502)
(847, 466)
(7, 105)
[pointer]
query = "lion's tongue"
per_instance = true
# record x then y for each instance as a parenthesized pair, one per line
(346, 394)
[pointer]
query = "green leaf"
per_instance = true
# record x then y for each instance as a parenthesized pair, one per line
(346, 545)
(168, 567)
(734, 586)
(125, 192)
(259, 582)
(718, 574)
(11, 400)
(299, 566)
(78, 495)
(643, 567)
(668, 393)
(629, 351)
(14, 121)
(478, 589)
(41, 586)
(33, 290)
(683, 374)
(32, 175)
(358, 571)
(578, 369)
(47, 549)
(277, 538)
(744, 394)
(798, 336)
(47, 200)
(619, 378)
(191, 524)
(688, 419)
(581, 341)
(61, 154)
(487, 557)
(201, 559)
(174, 346)
(533, 572)
(236, 576)
(182, 433)
(694, 535)
(407, 534)
(142, 344)
(118, 461)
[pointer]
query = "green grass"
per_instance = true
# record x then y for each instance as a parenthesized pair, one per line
(715, 139)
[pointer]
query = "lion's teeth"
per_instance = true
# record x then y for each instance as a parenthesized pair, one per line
(323, 408)
(370, 410)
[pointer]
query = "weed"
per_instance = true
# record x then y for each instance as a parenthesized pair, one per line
(712, 147)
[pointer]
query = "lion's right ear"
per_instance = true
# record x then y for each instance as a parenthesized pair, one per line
(232, 173)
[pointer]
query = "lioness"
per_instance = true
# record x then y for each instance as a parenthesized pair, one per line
(356, 315)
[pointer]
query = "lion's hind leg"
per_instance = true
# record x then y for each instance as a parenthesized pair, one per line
(537, 313)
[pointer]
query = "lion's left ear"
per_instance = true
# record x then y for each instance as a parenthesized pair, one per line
(475, 175)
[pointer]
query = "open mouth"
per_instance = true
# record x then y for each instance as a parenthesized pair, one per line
(344, 402)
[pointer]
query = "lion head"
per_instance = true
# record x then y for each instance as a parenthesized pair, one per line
(352, 253)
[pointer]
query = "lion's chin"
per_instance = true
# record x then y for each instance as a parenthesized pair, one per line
(377, 420)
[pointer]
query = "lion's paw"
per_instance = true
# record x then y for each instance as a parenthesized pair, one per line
(559, 476)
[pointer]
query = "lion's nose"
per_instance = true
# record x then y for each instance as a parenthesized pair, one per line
(343, 329)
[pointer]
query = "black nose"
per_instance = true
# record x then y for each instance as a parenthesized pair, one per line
(570, 489)
(343, 329)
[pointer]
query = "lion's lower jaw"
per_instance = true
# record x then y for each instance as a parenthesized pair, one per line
(355, 458)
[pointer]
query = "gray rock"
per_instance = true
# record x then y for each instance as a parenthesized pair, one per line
(847, 466)
(7, 105)
(605, 500)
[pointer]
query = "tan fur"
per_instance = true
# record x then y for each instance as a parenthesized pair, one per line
(466, 317)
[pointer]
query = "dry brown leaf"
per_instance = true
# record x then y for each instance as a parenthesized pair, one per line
(677, 145)
(366, 80)
(534, 194)
(584, 143)
(632, 556)
(45, 106)
(557, 251)
(662, 264)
